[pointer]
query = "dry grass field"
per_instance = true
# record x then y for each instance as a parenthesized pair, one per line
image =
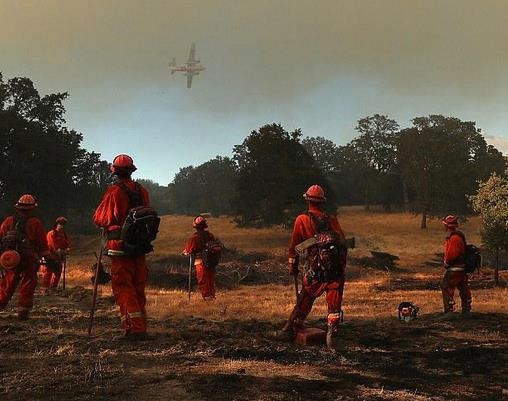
(222, 350)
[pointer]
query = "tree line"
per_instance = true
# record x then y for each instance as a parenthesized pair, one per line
(429, 168)
(43, 157)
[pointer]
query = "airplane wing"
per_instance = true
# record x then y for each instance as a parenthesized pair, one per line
(192, 53)
(189, 80)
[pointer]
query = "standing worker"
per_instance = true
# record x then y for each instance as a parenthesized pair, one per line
(454, 263)
(59, 245)
(205, 250)
(325, 264)
(23, 244)
(129, 272)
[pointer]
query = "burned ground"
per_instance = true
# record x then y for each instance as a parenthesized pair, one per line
(223, 350)
(234, 358)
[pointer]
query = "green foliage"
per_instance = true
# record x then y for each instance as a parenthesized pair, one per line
(274, 170)
(441, 160)
(324, 152)
(208, 187)
(377, 142)
(365, 171)
(491, 203)
(376, 159)
(42, 157)
(159, 195)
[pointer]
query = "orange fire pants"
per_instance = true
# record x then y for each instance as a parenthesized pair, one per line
(206, 280)
(128, 280)
(452, 280)
(309, 293)
(50, 279)
(27, 281)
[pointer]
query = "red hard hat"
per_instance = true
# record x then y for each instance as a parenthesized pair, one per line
(123, 163)
(315, 194)
(26, 202)
(199, 221)
(61, 220)
(451, 220)
(10, 259)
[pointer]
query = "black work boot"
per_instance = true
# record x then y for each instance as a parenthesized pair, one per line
(466, 308)
(23, 314)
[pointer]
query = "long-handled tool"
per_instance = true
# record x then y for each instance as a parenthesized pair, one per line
(295, 277)
(95, 285)
(296, 271)
(64, 269)
(189, 289)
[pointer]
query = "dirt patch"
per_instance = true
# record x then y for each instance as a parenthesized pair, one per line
(232, 357)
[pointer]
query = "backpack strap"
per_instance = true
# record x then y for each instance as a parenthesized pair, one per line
(319, 227)
(205, 237)
(19, 224)
(135, 197)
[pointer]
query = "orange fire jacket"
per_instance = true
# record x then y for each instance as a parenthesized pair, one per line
(196, 244)
(34, 232)
(454, 249)
(57, 241)
(113, 209)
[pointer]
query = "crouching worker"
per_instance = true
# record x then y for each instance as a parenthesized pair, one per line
(23, 244)
(130, 225)
(59, 245)
(205, 251)
(324, 267)
(455, 265)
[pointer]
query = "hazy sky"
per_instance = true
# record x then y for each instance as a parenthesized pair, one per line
(315, 65)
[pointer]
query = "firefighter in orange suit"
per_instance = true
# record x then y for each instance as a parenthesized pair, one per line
(129, 274)
(195, 246)
(316, 281)
(23, 244)
(454, 263)
(59, 245)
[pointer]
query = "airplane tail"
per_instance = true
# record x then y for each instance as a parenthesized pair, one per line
(172, 64)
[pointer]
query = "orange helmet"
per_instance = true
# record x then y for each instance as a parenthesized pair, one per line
(199, 222)
(26, 202)
(10, 259)
(123, 163)
(61, 220)
(315, 194)
(451, 221)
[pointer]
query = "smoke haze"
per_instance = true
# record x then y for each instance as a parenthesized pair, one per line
(319, 66)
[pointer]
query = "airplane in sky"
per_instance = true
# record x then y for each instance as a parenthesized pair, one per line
(190, 68)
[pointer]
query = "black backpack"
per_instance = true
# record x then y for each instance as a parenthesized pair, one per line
(212, 251)
(472, 256)
(16, 239)
(141, 224)
(472, 259)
